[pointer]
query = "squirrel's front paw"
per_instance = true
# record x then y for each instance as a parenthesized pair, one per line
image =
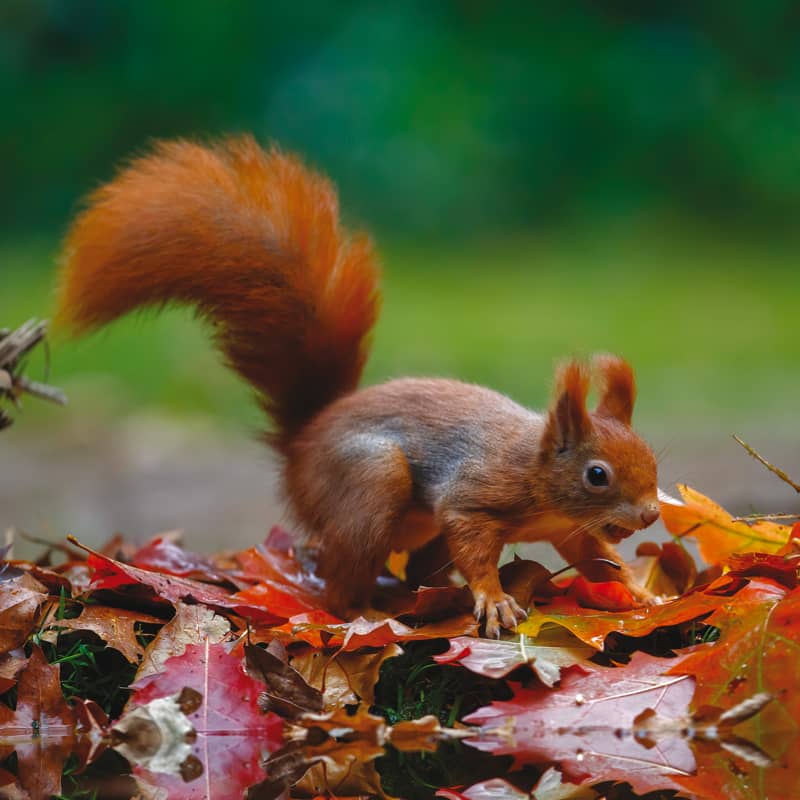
(498, 610)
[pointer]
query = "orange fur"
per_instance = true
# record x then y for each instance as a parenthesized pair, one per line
(618, 388)
(568, 419)
(252, 240)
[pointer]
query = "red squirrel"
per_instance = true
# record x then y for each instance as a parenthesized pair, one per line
(450, 471)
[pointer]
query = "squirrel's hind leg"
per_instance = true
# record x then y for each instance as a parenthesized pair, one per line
(354, 500)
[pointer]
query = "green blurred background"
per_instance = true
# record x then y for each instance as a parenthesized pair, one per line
(542, 179)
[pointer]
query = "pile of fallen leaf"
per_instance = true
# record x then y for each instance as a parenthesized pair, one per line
(223, 677)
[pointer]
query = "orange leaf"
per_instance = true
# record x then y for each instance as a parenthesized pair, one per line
(592, 626)
(718, 536)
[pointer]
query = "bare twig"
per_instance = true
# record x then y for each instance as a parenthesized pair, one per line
(760, 517)
(42, 390)
(771, 467)
(14, 346)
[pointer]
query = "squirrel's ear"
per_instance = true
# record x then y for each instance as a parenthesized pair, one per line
(568, 421)
(617, 388)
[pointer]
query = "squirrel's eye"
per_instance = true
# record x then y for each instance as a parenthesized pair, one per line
(597, 476)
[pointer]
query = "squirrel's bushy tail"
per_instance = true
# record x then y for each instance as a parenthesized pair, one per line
(251, 239)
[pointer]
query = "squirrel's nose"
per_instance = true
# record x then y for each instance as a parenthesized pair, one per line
(650, 513)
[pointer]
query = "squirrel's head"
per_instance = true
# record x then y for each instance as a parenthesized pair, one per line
(600, 471)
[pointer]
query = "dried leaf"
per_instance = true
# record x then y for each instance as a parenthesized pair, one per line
(287, 692)
(523, 578)
(117, 627)
(341, 769)
(11, 664)
(20, 598)
(345, 678)
(190, 625)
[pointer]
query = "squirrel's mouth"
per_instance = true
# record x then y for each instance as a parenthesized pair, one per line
(616, 533)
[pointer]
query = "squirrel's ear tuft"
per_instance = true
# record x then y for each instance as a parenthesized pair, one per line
(617, 388)
(568, 421)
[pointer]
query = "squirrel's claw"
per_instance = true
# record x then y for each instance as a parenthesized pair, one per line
(499, 612)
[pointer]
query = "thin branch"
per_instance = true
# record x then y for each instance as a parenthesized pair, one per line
(760, 517)
(771, 467)
(14, 347)
(42, 390)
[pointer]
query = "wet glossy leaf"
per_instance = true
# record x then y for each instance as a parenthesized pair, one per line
(588, 726)
(592, 627)
(275, 563)
(603, 596)
(494, 789)
(782, 569)
(165, 556)
(378, 633)
(546, 654)
(233, 734)
(110, 574)
(549, 787)
(308, 627)
(42, 728)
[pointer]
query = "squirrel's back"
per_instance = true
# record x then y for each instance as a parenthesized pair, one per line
(251, 239)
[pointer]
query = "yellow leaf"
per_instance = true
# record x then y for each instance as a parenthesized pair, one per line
(397, 563)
